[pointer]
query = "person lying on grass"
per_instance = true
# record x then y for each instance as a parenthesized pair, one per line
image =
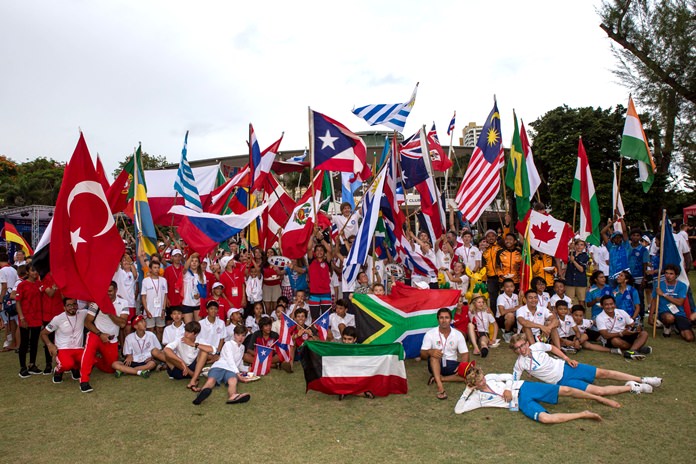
(228, 370)
(442, 346)
(138, 348)
(534, 360)
(501, 391)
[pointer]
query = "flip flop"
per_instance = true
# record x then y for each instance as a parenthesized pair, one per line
(431, 380)
(240, 398)
(442, 395)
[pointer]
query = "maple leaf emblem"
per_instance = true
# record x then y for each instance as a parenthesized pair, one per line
(543, 232)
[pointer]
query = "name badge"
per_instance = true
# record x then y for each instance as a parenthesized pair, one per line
(157, 303)
(235, 291)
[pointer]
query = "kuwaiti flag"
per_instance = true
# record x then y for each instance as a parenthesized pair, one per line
(322, 325)
(203, 231)
(584, 193)
(286, 324)
(403, 316)
(298, 230)
(262, 360)
(338, 369)
(335, 148)
(634, 144)
(549, 235)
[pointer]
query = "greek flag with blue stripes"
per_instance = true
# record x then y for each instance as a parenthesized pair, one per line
(393, 116)
(185, 183)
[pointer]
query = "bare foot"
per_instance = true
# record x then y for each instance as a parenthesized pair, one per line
(591, 415)
(612, 403)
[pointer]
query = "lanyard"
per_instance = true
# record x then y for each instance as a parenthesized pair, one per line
(444, 344)
(532, 361)
(156, 287)
(141, 346)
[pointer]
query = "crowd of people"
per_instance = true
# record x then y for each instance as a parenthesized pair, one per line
(195, 316)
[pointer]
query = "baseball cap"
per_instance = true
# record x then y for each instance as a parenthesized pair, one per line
(224, 261)
(218, 284)
(490, 231)
(231, 311)
(137, 319)
(176, 252)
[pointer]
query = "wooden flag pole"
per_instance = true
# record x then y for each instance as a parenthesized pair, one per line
(659, 269)
(575, 211)
(311, 161)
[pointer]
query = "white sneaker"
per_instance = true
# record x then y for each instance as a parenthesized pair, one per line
(495, 344)
(652, 381)
(639, 388)
(507, 336)
(616, 351)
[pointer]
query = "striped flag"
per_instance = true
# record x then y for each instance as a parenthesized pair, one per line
(220, 197)
(280, 207)
(584, 193)
(185, 183)
(634, 145)
(11, 234)
(254, 155)
(481, 182)
(450, 128)
(532, 173)
(521, 176)
(268, 157)
(144, 225)
(322, 325)
(526, 270)
(262, 360)
(393, 116)
(284, 334)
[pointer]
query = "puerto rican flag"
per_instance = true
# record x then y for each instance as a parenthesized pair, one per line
(322, 325)
(283, 351)
(335, 148)
(262, 361)
(285, 332)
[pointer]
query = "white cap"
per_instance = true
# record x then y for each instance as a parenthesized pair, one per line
(176, 252)
(217, 284)
(231, 311)
(224, 261)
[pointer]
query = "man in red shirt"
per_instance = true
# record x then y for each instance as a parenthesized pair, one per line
(51, 306)
(319, 273)
(232, 279)
(174, 275)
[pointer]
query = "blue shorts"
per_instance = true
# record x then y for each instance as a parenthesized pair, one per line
(450, 368)
(533, 393)
(578, 377)
(320, 299)
(135, 365)
(221, 376)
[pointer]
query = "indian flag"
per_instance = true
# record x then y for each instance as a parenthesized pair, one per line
(634, 145)
(584, 193)
(338, 369)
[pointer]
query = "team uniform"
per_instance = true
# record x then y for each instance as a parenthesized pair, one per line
(565, 327)
(174, 289)
(188, 354)
(108, 350)
(451, 345)
(319, 288)
(482, 322)
(69, 337)
(335, 320)
(126, 289)
(191, 300)
(553, 370)
(594, 293)
(555, 298)
(229, 364)
(616, 324)
(140, 348)
(588, 327)
(172, 332)
(211, 332)
(155, 292)
(539, 316)
(678, 290)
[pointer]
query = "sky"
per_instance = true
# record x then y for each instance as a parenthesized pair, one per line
(146, 71)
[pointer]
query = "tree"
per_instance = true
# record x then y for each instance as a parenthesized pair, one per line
(555, 145)
(657, 62)
(34, 182)
(149, 162)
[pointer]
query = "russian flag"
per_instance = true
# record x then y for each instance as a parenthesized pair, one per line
(204, 231)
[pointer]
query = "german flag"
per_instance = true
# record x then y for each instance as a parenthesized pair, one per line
(11, 234)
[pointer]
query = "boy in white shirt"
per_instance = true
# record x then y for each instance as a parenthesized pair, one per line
(229, 369)
(567, 335)
(535, 321)
(559, 294)
(534, 360)
(138, 348)
(212, 328)
(340, 320)
(154, 298)
(506, 306)
(186, 357)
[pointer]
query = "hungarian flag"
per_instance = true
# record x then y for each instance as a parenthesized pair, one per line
(403, 316)
(262, 360)
(86, 247)
(548, 234)
(584, 193)
(517, 176)
(11, 234)
(338, 369)
(634, 145)
(300, 226)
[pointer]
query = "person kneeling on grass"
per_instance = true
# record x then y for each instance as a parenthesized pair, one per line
(534, 360)
(228, 369)
(138, 347)
(502, 391)
(441, 347)
(186, 357)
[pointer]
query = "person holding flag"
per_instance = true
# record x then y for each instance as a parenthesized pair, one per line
(670, 310)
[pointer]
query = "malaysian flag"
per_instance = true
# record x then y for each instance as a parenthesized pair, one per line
(185, 183)
(482, 179)
(262, 360)
(450, 128)
(322, 325)
(393, 116)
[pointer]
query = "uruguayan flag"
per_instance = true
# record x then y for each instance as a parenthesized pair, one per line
(298, 158)
(393, 116)
(185, 183)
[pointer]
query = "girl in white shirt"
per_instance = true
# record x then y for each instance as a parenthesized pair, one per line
(194, 284)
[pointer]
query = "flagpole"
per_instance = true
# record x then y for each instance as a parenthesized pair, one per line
(311, 161)
(450, 153)
(659, 269)
(618, 183)
(252, 169)
(575, 211)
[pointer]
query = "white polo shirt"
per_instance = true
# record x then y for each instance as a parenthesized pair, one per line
(102, 321)
(482, 320)
(540, 365)
(614, 324)
(231, 356)
(211, 332)
(565, 326)
(335, 320)
(187, 353)
(69, 330)
(140, 348)
(155, 291)
(451, 345)
(469, 256)
(538, 317)
(507, 302)
(172, 332)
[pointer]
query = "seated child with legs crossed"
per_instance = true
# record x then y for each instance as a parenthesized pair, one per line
(479, 328)
(138, 347)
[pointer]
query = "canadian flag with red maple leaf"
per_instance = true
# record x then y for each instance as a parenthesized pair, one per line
(549, 235)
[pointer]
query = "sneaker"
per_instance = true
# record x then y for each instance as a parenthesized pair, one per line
(85, 387)
(639, 388)
(48, 370)
(645, 349)
(507, 336)
(569, 349)
(616, 351)
(628, 354)
(658, 323)
(667, 331)
(145, 374)
(652, 381)
(58, 377)
(75, 373)
(495, 343)
(24, 373)
(118, 374)
(33, 370)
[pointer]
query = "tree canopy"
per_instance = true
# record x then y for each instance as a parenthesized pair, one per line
(34, 182)
(149, 162)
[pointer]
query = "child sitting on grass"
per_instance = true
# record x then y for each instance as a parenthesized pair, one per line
(588, 332)
(138, 348)
(567, 336)
(480, 326)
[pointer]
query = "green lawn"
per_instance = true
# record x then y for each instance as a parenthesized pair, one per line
(153, 420)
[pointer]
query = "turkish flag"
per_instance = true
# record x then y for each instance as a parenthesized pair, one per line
(86, 247)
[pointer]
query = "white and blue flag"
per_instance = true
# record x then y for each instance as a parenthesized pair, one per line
(185, 183)
(391, 115)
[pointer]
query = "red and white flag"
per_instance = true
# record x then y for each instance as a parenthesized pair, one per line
(438, 158)
(268, 157)
(549, 235)
(262, 360)
(299, 228)
(279, 210)
(86, 247)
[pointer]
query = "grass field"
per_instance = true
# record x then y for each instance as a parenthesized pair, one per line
(153, 420)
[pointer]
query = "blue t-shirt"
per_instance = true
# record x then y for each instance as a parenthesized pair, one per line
(637, 257)
(618, 256)
(626, 300)
(677, 290)
(297, 280)
(594, 293)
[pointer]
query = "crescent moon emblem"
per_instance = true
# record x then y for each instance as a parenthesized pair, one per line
(93, 188)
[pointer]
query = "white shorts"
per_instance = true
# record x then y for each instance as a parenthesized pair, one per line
(153, 322)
